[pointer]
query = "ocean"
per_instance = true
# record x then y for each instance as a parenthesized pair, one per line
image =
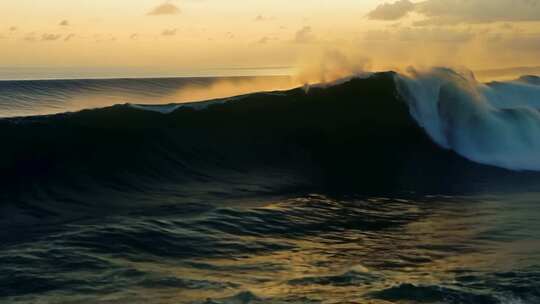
(384, 188)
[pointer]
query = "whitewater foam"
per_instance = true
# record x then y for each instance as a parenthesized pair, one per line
(496, 124)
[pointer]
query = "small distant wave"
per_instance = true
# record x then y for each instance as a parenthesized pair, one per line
(433, 294)
(349, 278)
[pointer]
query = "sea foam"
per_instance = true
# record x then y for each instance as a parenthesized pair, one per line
(496, 124)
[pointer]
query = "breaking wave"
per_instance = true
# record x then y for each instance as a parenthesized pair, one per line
(496, 123)
(384, 133)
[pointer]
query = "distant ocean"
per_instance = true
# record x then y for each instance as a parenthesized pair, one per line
(67, 73)
(385, 188)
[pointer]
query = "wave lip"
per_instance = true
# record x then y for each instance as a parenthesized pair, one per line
(495, 124)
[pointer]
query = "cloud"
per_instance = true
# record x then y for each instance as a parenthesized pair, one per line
(507, 26)
(421, 34)
(305, 35)
(378, 35)
(435, 35)
(64, 23)
(30, 37)
(518, 43)
(266, 39)
(69, 37)
(263, 40)
(99, 38)
(478, 11)
(261, 18)
(394, 11)
(448, 12)
(164, 9)
(50, 37)
(169, 32)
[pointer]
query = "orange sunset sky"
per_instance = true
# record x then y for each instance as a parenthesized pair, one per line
(271, 36)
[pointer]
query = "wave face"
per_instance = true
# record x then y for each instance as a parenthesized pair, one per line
(496, 124)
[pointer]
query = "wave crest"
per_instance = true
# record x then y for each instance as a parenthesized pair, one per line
(496, 124)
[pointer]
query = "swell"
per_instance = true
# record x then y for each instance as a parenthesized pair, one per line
(41, 97)
(357, 137)
(24, 98)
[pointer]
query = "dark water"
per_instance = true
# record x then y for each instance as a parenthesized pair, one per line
(332, 195)
(299, 250)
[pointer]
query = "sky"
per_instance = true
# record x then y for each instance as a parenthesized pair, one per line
(195, 37)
